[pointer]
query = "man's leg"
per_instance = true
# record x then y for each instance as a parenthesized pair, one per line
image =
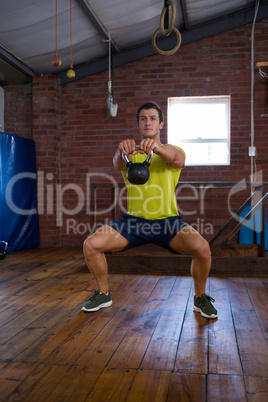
(189, 241)
(105, 239)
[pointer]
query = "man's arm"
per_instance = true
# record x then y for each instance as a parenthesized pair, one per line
(168, 153)
(172, 155)
(128, 147)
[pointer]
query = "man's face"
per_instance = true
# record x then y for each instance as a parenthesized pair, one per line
(149, 124)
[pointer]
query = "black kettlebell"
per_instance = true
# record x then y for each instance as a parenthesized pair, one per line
(138, 173)
(3, 252)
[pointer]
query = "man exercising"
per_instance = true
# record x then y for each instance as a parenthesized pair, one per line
(152, 215)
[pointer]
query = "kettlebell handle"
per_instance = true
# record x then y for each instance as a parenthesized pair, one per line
(147, 161)
(3, 252)
(5, 243)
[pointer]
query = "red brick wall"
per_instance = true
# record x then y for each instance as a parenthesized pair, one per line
(18, 111)
(46, 132)
(75, 136)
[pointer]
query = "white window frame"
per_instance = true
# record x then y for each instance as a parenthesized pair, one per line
(177, 138)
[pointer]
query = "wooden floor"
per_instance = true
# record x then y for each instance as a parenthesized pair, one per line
(148, 346)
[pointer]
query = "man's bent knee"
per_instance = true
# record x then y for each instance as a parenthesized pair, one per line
(105, 239)
(88, 246)
(203, 250)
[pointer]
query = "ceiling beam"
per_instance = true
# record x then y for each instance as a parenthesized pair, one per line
(184, 14)
(96, 22)
(196, 33)
(19, 65)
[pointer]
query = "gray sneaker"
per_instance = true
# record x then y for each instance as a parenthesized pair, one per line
(203, 305)
(97, 301)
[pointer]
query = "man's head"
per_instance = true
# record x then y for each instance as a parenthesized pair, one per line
(151, 105)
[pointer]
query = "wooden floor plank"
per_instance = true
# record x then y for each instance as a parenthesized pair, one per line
(11, 376)
(112, 385)
(251, 341)
(37, 310)
(222, 388)
(149, 385)
(264, 281)
(223, 351)
(162, 350)
(257, 389)
(39, 386)
(187, 388)
(60, 340)
(96, 348)
(12, 271)
(37, 327)
(130, 351)
(192, 354)
(67, 345)
(103, 347)
(259, 299)
(76, 385)
(25, 309)
(148, 346)
(27, 286)
(146, 321)
(56, 339)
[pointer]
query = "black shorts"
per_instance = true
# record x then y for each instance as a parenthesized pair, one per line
(140, 231)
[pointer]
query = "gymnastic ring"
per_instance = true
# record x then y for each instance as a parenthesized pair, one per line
(166, 52)
(172, 21)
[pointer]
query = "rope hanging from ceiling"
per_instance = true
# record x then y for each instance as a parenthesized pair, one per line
(111, 103)
(71, 73)
(56, 60)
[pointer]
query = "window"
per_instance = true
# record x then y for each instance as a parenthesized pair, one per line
(201, 127)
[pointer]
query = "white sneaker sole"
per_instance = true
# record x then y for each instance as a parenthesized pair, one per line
(203, 314)
(107, 304)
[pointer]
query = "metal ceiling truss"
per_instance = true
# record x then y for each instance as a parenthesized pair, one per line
(18, 64)
(184, 15)
(96, 22)
(189, 34)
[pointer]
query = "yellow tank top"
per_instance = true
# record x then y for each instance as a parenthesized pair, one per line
(155, 199)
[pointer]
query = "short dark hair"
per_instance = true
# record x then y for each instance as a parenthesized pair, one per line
(151, 105)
